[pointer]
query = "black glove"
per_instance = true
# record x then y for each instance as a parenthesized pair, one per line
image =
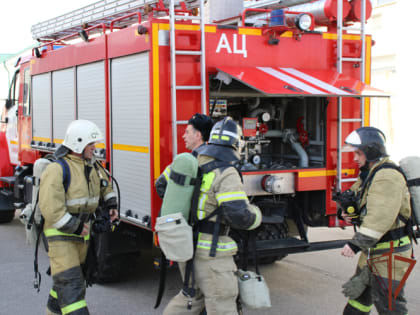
(102, 223)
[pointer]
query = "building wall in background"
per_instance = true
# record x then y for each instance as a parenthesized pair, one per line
(395, 68)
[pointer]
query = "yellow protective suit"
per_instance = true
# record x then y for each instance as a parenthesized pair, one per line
(65, 214)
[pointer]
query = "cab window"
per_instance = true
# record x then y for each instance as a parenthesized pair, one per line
(26, 92)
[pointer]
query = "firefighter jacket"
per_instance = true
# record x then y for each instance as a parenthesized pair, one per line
(382, 201)
(65, 212)
(222, 187)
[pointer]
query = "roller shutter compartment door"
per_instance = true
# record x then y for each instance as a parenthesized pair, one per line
(41, 104)
(131, 132)
(63, 102)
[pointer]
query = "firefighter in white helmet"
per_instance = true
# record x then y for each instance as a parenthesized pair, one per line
(68, 211)
(382, 203)
(216, 285)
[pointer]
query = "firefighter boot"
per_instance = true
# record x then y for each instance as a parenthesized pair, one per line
(52, 305)
(360, 306)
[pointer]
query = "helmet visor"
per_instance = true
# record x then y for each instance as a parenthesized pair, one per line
(348, 148)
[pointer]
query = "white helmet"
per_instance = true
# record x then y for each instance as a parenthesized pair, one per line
(80, 133)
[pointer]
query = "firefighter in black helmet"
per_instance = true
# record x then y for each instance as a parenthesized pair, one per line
(195, 136)
(215, 279)
(383, 202)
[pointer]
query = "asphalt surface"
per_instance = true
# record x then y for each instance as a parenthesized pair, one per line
(308, 283)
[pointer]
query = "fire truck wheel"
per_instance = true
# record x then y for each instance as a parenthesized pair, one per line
(115, 268)
(7, 216)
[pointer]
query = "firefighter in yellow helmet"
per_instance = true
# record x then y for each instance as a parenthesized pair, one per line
(216, 285)
(383, 205)
(68, 211)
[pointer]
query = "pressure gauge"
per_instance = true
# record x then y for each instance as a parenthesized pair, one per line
(266, 117)
(256, 159)
(303, 21)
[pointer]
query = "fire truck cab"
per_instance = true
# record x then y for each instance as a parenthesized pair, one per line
(294, 76)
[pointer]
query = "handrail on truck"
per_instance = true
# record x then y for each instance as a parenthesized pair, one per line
(111, 25)
(102, 25)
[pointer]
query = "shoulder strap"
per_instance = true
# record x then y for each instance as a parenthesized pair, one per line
(368, 180)
(66, 173)
(219, 164)
(210, 166)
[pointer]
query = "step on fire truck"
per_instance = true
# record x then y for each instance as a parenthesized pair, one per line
(294, 74)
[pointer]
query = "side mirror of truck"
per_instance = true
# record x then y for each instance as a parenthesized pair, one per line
(9, 103)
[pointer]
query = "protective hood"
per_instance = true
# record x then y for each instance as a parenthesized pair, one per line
(219, 152)
(61, 151)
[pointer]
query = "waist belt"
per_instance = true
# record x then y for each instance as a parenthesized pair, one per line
(209, 227)
(399, 245)
(394, 235)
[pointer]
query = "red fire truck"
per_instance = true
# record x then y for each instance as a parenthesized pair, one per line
(294, 75)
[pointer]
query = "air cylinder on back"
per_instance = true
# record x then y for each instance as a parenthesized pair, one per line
(179, 191)
(411, 168)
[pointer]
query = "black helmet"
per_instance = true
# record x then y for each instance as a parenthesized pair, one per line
(224, 141)
(202, 123)
(370, 140)
(226, 132)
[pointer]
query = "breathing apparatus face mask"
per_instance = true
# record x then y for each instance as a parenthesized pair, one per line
(348, 203)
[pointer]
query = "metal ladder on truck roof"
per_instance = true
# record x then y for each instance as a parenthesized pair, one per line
(340, 59)
(174, 53)
(103, 11)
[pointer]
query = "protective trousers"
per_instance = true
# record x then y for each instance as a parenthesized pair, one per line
(377, 292)
(377, 295)
(68, 292)
(216, 289)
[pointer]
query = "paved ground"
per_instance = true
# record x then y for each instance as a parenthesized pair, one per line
(307, 283)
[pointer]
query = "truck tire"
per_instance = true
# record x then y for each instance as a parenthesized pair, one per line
(112, 266)
(271, 232)
(115, 268)
(7, 216)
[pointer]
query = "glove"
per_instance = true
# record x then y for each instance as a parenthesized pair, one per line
(258, 217)
(357, 284)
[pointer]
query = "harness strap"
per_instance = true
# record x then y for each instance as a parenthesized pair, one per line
(413, 182)
(209, 227)
(182, 179)
(393, 235)
(66, 173)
